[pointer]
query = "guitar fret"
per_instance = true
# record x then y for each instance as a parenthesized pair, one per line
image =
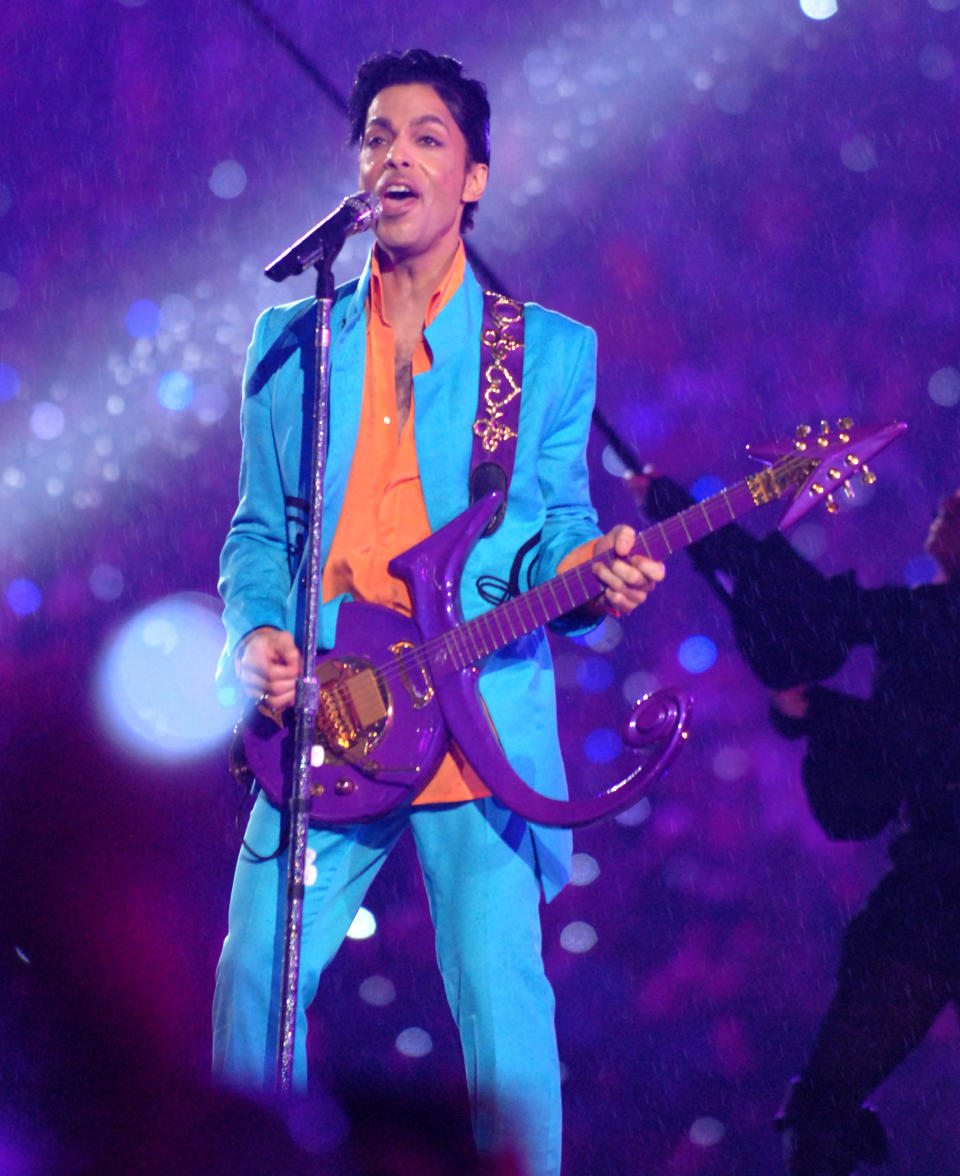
(494, 616)
(666, 538)
(683, 523)
(489, 637)
(724, 496)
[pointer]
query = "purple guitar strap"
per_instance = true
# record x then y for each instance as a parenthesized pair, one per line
(498, 401)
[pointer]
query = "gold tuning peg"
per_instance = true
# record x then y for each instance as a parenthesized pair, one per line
(803, 431)
(852, 460)
(867, 477)
(847, 490)
(831, 505)
(844, 423)
(825, 428)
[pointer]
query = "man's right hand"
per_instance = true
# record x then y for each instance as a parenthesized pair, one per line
(268, 664)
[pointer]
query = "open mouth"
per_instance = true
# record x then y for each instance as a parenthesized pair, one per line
(395, 195)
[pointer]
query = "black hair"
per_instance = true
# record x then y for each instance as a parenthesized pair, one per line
(465, 98)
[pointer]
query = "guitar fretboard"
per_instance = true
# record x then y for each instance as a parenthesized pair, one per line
(474, 640)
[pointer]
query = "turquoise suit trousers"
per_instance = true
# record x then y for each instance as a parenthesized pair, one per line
(483, 890)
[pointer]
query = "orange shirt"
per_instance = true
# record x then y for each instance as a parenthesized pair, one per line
(383, 509)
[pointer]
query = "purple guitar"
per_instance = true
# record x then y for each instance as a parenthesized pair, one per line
(394, 691)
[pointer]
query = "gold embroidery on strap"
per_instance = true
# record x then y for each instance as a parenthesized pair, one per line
(501, 387)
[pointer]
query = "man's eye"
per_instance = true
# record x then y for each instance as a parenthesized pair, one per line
(373, 141)
(429, 140)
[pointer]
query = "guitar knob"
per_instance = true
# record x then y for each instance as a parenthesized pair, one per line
(845, 424)
(867, 477)
(345, 786)
(803, 431)
(831, 505)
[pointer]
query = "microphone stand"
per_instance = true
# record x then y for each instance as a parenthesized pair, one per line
(307, 696)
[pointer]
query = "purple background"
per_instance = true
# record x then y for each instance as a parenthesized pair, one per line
(757, 211)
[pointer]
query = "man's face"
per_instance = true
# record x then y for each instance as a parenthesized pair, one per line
(414, 157)
(943, 539)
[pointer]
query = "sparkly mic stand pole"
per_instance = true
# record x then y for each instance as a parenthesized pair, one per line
(307, 697)
(319, 247)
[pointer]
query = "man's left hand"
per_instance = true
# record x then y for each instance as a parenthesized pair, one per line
(631, 578)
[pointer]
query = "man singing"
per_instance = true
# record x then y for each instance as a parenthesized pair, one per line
(405, 372)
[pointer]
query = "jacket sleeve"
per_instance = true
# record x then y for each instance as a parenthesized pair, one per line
(562, 464)
(254, 568)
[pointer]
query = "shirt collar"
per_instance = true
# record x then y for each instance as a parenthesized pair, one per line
(446, 288)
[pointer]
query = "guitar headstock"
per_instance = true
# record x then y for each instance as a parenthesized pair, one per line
(817, 463)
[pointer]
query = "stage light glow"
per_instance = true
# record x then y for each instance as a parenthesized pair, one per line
(578, 937)
(176, 313)
(706, 1132)
(47, 420)
(858, 154)
(210, 403)
(943, 387)
(106, 582)
(584, 869)
(23, 597)
(175, 391)
(594, 674)
(377, 991)
(936, 62)
(818, 9)
(154, 682)
(808, 540)
(706, 486)
(944, 5)
(6, 198)
(730, 763)
(637, 684)
(9, 291)
(602, 745)
(635, 815)
(9, 381)
(14, 477)
(605, 637)
(922, 569)
(228, 179)
(363, 926)
(697, 654)
(414, 1043)
(613, 463)
(143, 319)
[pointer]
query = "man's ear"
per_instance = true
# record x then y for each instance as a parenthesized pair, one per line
(474, 182)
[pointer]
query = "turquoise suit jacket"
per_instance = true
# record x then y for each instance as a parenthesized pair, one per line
(262, 564)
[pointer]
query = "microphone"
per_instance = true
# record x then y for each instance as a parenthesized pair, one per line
(325, 240)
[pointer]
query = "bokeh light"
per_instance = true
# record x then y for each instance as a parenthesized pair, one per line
(9, 381)
(578, 937)
(602, 745)
(143, 319)
(943, 387)
(697, 654)
(414, 1042)
(47, 420)
(23, 597)
(154, 683)
(175, 391)
(378, 991)
(363, 926)
(228, 179)
(818, 9)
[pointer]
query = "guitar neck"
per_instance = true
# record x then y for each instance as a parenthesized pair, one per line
(475, 639)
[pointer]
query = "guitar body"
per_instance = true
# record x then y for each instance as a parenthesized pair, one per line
(392, 695)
